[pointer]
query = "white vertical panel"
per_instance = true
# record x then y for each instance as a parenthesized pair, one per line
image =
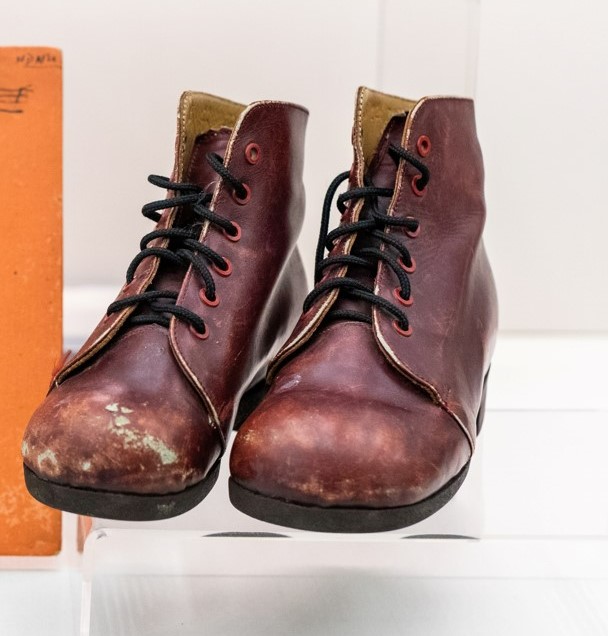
(542, 115)
(126, 64)
(428, 48)
(542, 95)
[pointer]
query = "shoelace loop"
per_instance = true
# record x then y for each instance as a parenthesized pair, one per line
(367, 257)
(184, 248)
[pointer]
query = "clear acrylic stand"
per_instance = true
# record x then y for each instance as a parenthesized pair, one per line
(521, 514)
(215, 539)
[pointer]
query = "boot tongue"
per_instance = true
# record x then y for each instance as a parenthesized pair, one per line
(373, 113)
(382, 173)
(200, 171)
(169, 276)
(204, 125)
(197, 115)
(382, 170)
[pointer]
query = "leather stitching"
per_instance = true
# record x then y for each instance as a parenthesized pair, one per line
(220, 191)
(381, 283)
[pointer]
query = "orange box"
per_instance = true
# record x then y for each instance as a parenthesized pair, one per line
(30, 278)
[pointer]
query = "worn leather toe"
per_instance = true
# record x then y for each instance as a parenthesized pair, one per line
(337, 440)
(126, 423)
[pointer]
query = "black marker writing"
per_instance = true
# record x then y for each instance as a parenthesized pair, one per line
(40, 60)
(12, 99)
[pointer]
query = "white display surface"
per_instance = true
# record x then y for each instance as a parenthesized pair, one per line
(339, 605)
(539, 568)
(535, 501)
(524, 513)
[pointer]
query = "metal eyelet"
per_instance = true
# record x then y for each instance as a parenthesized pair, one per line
(233, 237)
(198, 334)
(408, 302)
(245, 199)
(423, 145)
(417, 191)
(400, 331)
(415, 233)
(411, 269)
(202, 294)
(252, 153)
(223, 272)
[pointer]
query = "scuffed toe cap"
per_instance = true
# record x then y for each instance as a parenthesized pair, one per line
(317, 449)
(106, 440)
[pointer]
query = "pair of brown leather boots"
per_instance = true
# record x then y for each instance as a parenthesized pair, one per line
(364, 418)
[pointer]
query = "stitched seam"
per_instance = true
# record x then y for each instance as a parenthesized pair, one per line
(421, 382)
(219, 190)
(313, 323)
(182, 136)
(213, 421)
(119, 319)
(381, 280)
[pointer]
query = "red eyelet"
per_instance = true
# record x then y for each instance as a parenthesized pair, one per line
(198, 334)
(397, 294)
(202, 294)
(411, 269)
(223, 272)
(252, 153)
(416, 232)
(423, 145)
(417, 191)
(233, 237)
(245, 199)
(402, 332)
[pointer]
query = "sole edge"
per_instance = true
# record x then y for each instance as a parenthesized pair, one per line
(116, 505)
(343, 520)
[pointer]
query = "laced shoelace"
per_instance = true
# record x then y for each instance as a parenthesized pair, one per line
(367, 257)
(184, 248)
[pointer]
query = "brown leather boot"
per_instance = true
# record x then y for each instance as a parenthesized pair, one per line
(377, 397)
(135, 424)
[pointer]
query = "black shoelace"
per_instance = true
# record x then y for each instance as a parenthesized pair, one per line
(368, 257)
(184, 248)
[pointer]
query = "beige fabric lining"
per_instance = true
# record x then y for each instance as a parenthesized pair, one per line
(374, 111)
(197, 114)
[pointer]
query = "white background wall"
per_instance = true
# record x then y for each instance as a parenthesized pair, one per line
(542, 95)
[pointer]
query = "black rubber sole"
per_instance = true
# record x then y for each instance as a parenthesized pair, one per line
(351, 520)
(133, 507)
(348, 520)
(117, 505)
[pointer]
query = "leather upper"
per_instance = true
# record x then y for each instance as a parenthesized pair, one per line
(261, 283)
(265, 261)
(454, 313)
(145, 409)
(341, 427)
(361, 415)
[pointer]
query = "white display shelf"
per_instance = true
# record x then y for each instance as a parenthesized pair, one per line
(534, 503)
(530, 509)
(537, 566)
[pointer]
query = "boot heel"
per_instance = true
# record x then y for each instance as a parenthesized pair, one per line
(249, 402)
